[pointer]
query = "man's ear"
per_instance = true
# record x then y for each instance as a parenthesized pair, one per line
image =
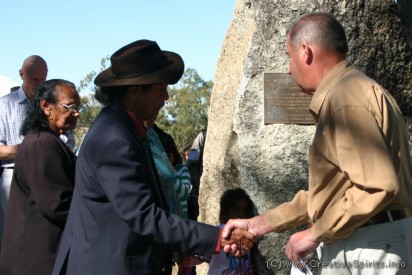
(308, 53)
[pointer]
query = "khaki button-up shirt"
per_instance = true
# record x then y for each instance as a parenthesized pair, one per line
(359, 161)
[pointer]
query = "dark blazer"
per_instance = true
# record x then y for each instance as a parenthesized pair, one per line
(40, 196)
(117, 222)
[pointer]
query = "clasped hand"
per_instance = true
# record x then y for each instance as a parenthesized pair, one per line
(239, 241)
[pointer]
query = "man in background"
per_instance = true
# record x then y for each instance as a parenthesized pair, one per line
(12, 113)
(195, 165)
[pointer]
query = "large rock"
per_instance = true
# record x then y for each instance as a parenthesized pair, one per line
(405, 12)
(270, 161)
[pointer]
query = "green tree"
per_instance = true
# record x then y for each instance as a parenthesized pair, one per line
(91, 106)
(86, 82)
(186, 112)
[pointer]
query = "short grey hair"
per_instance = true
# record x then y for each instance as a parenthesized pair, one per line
(319, 28)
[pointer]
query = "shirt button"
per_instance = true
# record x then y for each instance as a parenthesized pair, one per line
(388, 246)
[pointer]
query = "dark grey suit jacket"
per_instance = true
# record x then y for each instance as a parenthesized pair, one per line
(117, 222)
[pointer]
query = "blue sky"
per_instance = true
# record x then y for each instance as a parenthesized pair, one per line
(73, 35)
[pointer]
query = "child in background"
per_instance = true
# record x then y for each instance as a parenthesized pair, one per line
(185, 152)
(234, 204)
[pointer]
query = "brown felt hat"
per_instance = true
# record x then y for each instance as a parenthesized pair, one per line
(141, 62)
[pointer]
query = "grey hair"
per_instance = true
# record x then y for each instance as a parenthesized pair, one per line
(319, 28)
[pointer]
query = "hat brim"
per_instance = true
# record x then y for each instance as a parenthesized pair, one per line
(169, 74)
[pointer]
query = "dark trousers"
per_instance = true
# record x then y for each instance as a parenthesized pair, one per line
(193, 207)
(193, 213)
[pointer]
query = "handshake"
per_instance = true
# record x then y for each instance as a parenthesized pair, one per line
(238, 236)
(238, 242)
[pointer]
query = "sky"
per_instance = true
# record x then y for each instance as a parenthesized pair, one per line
(74, 35)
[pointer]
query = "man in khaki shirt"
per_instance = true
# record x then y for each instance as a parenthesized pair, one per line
(360, 172)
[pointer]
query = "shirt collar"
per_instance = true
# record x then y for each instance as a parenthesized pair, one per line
(327, 83)
(140, 129)
(21, 96)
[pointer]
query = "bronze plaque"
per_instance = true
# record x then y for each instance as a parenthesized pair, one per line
(284, 100)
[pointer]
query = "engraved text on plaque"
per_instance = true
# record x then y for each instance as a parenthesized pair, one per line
(284, 101)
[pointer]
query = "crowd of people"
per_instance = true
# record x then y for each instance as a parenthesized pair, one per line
(128, 180)
(128, 203)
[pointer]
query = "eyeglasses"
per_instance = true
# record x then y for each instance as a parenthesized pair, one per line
(72, 108)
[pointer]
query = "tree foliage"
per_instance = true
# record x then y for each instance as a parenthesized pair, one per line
(86, 82)
(91, 107)
(186, 112)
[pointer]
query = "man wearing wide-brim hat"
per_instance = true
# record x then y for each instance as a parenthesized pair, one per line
(119, 221)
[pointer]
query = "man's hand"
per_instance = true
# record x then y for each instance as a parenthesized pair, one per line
(240, 240)
(299, 245)
(258, 226)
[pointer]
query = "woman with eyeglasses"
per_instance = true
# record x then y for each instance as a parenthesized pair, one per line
(43, 182)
